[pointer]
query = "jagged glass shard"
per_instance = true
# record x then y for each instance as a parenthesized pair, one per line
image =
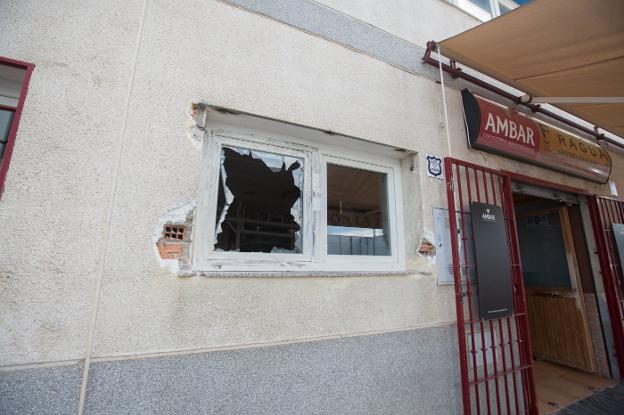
(259, 202)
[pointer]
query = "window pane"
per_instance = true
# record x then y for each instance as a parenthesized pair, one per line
(357, 212)
(482, 4)
(259, 202)
(5, 124)
(503, 9)
(481, 9)
(537, 235)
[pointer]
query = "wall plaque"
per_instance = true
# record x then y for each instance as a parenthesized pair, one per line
(494, 283)
(444, 257)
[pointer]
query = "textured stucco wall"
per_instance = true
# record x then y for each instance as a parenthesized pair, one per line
(64, 174)
(53, 211)
(286, 74)
(59, 186)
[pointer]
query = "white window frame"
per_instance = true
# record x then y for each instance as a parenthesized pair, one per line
(314, 257)
(338, 260)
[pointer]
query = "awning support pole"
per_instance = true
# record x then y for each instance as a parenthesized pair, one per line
(456, 72)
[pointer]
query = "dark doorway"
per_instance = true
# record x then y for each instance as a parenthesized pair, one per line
(567, 341)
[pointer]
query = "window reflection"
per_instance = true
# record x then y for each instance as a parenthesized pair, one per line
(357, 212)
(6, 117)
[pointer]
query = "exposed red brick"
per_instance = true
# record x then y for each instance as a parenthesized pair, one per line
(170, 249)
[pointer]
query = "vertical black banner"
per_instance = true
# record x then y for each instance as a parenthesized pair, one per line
(492, 258)
(618, 233)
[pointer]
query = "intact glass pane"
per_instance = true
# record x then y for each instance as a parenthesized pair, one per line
(5, 124)
(357, 212)
(504, 8)
(482, 9)
(543, 253)
(482, 4)
(259, 202)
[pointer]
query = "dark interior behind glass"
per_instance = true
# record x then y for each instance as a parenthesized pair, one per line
(357, 212)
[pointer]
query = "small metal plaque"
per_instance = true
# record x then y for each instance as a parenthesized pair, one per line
(444, 257)
(435, 166)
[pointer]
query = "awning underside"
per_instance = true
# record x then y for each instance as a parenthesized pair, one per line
(554, 48)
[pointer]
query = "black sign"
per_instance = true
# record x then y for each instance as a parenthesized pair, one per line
(492, 258)
(618, 233)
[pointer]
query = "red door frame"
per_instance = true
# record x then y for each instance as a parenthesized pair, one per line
(17, 115)
(603, 212)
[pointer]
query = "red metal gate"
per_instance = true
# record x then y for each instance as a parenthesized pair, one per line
(495, 355)
(604, 213)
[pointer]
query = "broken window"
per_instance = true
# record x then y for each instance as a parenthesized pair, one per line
(259, 202)
(357, 212)
(278, 204)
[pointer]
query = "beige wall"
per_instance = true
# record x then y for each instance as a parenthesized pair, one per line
(102, 153)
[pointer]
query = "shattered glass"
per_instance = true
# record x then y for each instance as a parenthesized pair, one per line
(259, 202)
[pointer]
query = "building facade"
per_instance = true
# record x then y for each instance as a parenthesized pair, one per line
(129, 281)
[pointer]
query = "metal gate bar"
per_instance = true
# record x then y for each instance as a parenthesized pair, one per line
(496, 374)
(604, 213)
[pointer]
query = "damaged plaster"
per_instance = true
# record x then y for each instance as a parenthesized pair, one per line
(175, 254)
(196, 124)
(427, 248)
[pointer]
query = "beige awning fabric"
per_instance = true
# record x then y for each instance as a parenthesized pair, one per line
(554, 48)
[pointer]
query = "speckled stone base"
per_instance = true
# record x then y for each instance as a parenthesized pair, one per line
(51, 390)
(404, 372)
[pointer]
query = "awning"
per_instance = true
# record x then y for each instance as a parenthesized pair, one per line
(554, 48)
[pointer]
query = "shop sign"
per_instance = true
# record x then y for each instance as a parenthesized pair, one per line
(498, 129)
(491, 249)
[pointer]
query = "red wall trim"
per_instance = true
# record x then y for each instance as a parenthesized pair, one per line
(8, 151)
(15, 63)
(602, 219)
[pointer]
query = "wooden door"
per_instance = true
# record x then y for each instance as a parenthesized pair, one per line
(557, 315)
